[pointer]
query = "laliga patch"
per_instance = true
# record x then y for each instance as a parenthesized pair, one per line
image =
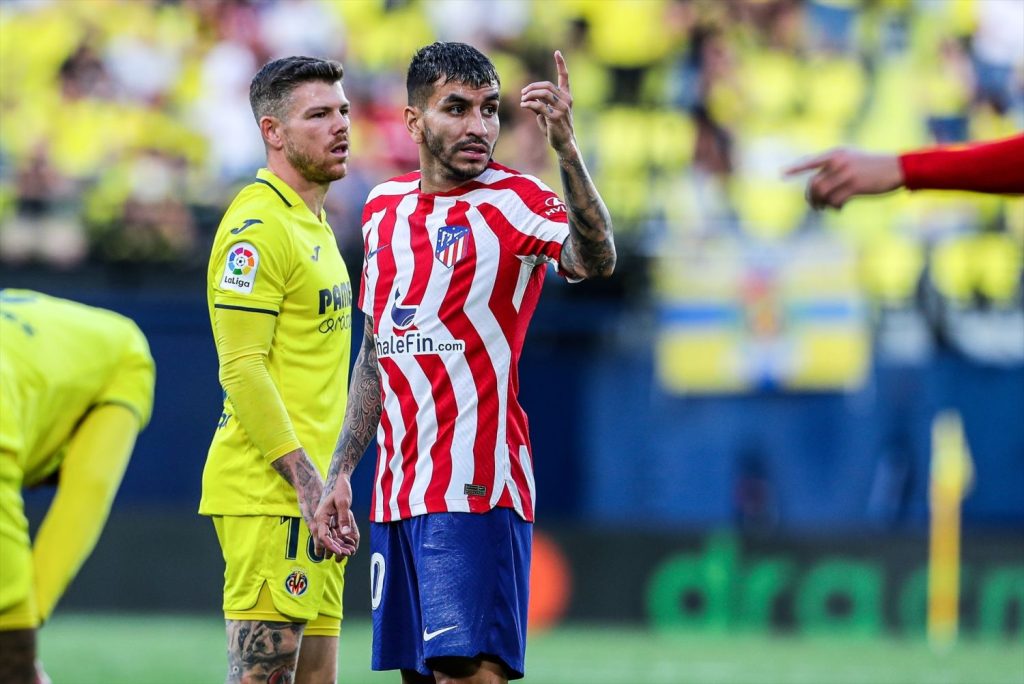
(240, 269)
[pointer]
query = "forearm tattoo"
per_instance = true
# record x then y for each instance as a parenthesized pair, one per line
(591, 247)
(18, 656)
(262, 651)
(302, 475)
(363, 413)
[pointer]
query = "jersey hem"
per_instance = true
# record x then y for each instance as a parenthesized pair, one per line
(455, 506)
(249, 510)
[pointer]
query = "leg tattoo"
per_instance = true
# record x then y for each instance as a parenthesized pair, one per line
(262, 652)
(18, 656)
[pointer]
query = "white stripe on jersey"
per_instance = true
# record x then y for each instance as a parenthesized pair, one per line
(426, 424)
(496, 346)
(378, 489)
(525, 271)
(426, 417)
(531, 484)
(517, 213)
(393, 187)
(394, 464)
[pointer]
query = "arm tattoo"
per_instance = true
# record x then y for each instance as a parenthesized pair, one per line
(300, 473)
(263, 651)
(590, 247)
(363, 413)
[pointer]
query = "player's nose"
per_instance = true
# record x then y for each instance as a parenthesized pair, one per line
(475, 125)
(341, 124)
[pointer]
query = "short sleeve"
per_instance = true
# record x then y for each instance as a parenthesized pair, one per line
(530, 218)
(253, 269)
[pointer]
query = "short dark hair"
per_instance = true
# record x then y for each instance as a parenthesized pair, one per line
(451, 61)
(271, 88)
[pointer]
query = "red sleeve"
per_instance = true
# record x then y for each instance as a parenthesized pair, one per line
(995, 167)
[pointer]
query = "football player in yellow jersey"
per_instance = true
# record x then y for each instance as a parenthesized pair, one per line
(280, 305)
(76, 387)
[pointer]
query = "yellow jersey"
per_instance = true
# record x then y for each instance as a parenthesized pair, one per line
(272, 256)
(59, 359)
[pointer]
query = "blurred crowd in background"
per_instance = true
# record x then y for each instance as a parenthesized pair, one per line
(125, 128)
(125, 124)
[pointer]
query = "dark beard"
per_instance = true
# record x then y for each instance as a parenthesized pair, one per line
(453, 172)
(307, 168)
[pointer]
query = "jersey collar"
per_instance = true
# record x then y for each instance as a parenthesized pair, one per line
(283, 190)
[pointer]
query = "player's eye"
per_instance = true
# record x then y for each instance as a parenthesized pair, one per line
(490, 110)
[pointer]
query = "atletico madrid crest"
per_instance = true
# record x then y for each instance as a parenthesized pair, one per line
(452, 244)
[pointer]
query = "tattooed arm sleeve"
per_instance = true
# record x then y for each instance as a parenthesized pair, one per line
(363, 413)
(589, 250)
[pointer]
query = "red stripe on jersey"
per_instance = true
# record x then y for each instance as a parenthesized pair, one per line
(384, 476)
(453, 315)
(423, 252)
(445, 409)
(513, 325)
(517, 428)
(514, 240)
(518, 422)
(401, 388)
(529, 192)
(441, 389)
(422, 264)
(386, 265)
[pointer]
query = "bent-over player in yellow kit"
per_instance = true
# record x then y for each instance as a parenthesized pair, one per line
(76, 387)
(280, 306)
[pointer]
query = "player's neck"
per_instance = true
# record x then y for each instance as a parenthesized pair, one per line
(311, 193)
(434, 179)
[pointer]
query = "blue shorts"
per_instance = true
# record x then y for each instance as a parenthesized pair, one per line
(450, 584)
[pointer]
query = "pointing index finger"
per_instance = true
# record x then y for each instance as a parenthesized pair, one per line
(563, 71)
(815, 162)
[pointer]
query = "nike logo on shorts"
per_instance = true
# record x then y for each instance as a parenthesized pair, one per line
(427, 636)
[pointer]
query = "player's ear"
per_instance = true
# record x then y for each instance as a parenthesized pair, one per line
(414, 123)
(273, 136)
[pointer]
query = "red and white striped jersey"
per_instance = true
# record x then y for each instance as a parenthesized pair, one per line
(452, 280)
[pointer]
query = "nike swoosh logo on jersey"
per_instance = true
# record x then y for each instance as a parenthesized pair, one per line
(427, 636)
(248, 222)
(373, 253)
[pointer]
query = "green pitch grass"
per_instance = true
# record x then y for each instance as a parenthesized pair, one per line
(131, 649)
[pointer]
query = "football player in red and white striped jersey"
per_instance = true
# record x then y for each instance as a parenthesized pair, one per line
(455, 257)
